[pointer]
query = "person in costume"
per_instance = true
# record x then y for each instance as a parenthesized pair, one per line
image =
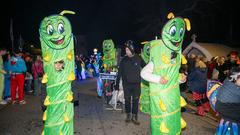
(109, 65)
(109, 55)
(225, 100)
(162, 72)
(144, 97)
(58, 58)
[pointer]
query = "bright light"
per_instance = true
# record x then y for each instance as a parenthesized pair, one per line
(32, 46)
(95, 50)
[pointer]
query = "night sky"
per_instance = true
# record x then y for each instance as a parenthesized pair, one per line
(120, 20)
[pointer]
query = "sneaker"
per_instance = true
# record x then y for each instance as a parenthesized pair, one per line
(14, 102)
(3, 102)
(8, 99)
(23, 102)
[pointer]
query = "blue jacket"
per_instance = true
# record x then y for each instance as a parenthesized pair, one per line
(197, 80)
(17, 65)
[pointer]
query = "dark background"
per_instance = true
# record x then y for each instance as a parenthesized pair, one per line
(139, 20)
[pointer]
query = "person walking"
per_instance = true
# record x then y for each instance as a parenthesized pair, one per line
(129, 72)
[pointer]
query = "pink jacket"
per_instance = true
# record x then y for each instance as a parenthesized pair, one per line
(37, 68)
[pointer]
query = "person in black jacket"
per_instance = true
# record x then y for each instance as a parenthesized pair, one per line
(228, 104)
(129, 70)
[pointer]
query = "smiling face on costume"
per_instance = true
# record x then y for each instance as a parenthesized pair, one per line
(55, 31)
(173, 33)
(108, 46)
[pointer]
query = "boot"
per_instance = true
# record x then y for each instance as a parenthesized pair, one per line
(200, 111)
(128, 118)
(135, 119)
(206, 107)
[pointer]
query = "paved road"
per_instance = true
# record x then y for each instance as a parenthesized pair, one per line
(91, 117)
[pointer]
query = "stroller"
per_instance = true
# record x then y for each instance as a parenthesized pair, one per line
(114, 99)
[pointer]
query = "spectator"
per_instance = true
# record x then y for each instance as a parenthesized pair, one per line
(37, 69)
(78, 63)
(191, 62)
(28, 75)
(17, 69)
(211, 66)
(7, 77)
(232, 61)
(2, 72)
(197, 81)
(228, 104)
(222, 69)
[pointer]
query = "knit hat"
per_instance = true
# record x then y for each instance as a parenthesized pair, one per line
(130, 45)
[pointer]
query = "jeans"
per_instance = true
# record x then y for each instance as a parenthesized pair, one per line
(28, 85)
(7, 90)
(37, 86)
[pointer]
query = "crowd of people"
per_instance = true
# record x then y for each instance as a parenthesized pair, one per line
(199, 71)
(21, 73)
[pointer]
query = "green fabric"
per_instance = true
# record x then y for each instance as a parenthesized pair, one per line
(57, 44)
(165, 98)
(109, 54)
(1, 79)
(144, 98)
(146, 52)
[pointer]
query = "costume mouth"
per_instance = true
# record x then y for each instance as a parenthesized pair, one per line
(107, 50)
(58, 42)
(176, 43)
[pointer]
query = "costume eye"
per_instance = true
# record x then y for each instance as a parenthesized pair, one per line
(172, 30)
(49, 29)
(181, 32)
(60, 28)
(148, 49)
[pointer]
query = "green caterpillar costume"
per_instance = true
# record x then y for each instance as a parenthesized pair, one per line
(58, 55)
(109, 55)
(165, 98)
(144, 98)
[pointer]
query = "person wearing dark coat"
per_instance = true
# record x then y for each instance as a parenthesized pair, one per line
(129, 70)
(228, 104)
(197, 81)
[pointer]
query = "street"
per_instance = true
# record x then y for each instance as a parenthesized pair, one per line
(91, 117)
